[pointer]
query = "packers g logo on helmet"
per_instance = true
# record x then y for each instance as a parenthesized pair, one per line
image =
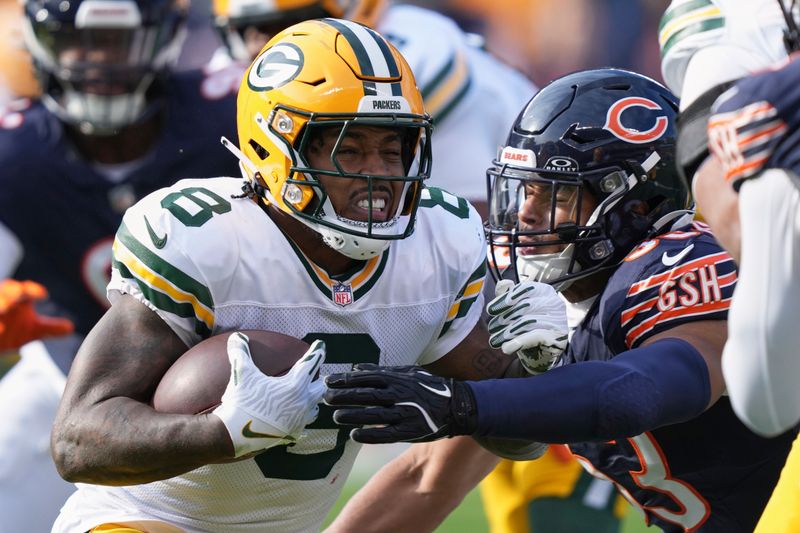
(276, 67)
(321, 74)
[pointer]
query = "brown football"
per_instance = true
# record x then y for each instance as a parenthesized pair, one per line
(196, 381)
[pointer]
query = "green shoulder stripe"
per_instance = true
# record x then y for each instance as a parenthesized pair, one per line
(688, 18)
(674, 12)
(183, 282)
(447, 87)
(164, 302)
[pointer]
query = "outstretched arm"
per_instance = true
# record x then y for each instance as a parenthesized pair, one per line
(674, 376)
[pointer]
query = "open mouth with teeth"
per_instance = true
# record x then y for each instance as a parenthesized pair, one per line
(380, 208)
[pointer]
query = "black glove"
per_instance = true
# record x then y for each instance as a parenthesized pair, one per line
(408, 402)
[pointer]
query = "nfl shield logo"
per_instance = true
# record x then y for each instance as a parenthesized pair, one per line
(342, 294)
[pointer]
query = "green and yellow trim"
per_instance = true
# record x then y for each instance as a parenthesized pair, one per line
(164, 285)
(360, 280)
(689, 18)
(448, 87)
(466, 297)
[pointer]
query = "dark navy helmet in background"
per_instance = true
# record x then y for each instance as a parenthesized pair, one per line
(99, 61)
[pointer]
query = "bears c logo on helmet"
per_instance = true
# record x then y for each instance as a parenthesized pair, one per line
(276, 67)
(617, 128)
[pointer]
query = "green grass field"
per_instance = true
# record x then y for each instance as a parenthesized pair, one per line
(469, 518)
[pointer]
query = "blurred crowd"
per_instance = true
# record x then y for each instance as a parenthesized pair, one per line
(541, 38)
(548, 38)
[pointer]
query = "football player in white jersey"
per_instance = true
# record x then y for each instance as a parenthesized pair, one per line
(706, 45)
(464, 87)
(333, 239)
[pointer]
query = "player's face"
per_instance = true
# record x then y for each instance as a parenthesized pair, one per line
(92, 53)
(370, 150)
(544, 207)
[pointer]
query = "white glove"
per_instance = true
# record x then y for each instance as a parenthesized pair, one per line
(528, 319)
(261, 411)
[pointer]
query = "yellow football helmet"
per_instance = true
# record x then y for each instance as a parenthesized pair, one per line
(233, 17)
(330, 72)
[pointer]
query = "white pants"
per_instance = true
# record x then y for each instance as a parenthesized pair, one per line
(31, 491)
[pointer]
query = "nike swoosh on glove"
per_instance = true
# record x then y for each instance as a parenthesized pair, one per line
(19, 321)
(529, 319)
(408, 403)
(261, 411)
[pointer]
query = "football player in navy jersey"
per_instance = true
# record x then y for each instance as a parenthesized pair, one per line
(586, 199)
(114, 123)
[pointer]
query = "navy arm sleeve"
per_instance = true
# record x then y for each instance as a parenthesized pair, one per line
(639, 390)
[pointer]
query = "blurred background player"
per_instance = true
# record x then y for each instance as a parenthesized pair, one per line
(114, 123)
(465, 88)
(705, 47)
(748, 186)
(551, 493)
(535, 37)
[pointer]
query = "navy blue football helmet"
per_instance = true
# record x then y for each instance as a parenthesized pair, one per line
(602, 143)
(97, 59)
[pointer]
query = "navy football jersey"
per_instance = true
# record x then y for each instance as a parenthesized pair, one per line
(65, 213)
(755, 125)
(697, 475)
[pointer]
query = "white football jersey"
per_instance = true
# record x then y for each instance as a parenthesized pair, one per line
(472, 96)
(708, 42)
(208, 263)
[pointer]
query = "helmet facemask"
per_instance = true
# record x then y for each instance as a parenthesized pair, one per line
(306, 198)
(608, 137)
(390, 201)
(791, 35)
(333, 80)
(537, 217)
(587, 224)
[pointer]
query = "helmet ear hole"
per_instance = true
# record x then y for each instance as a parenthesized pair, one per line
(259, 150)
(641, 207)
